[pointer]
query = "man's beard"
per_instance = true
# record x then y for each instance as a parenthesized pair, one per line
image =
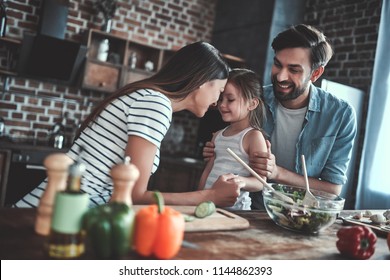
(295, 93)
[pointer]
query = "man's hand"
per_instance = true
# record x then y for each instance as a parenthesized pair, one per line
(208, 151)
(264, 163)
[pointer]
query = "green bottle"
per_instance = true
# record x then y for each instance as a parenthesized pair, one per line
(67, 239)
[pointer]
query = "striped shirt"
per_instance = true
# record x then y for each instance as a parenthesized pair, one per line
(145, 113)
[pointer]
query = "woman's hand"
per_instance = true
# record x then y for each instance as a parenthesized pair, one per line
(264, 163)
(226, 190)
(208, 151)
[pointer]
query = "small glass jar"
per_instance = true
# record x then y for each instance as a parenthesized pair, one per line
(103, 50)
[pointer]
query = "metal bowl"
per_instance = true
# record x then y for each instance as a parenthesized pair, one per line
(298, 217)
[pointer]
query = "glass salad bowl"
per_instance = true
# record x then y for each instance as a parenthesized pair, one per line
(302, 218)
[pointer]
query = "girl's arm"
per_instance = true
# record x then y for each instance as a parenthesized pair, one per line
(205, 174)
(223, 193)
(253, 142)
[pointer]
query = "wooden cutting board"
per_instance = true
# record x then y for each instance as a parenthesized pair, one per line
(220, 220)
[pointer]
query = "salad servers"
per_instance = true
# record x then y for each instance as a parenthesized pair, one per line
(264, 182)
(309, 199)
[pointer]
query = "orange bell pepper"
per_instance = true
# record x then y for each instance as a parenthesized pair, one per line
(159, 230)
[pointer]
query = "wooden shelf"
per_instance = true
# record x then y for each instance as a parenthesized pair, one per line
(10, 41)
(119, 68)
(234, 61)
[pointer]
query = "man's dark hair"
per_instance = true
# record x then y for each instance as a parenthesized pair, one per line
(305, 36)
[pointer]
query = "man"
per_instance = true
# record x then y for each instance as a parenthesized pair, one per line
(302, 118)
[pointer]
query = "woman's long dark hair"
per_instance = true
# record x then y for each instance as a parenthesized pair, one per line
(189, 68)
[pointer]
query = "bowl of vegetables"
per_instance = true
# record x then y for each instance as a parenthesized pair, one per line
(293, 215)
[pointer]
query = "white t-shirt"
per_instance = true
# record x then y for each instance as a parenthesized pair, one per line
(284, 138)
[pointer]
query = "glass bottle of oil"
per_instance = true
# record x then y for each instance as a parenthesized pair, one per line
(66, 239)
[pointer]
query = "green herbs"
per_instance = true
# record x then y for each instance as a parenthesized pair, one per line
(106, 7)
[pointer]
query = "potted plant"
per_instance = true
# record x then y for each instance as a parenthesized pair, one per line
(107, 8)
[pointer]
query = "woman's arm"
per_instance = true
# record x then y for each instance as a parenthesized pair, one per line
(223, 193)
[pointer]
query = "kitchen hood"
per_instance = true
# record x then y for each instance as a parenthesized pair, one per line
(53, 18)
(46, 55)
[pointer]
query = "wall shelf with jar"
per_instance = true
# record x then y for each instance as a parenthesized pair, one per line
(113, 61)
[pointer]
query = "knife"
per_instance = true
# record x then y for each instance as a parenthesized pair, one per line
(187, 244)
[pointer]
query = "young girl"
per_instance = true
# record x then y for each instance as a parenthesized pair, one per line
(240, 104)
(134, 120)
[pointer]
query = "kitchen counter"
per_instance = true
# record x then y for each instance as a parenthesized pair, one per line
(18, 158)
(37, 146)
(262, 240)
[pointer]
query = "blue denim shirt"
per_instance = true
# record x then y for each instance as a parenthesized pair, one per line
(327, 135)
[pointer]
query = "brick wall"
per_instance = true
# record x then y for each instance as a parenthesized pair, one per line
(351, 24)
(166, 24)
(353, 28)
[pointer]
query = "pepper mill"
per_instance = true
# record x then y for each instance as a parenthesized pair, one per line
(57, 166)
(124, 176)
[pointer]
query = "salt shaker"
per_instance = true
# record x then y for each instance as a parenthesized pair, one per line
(57, 165)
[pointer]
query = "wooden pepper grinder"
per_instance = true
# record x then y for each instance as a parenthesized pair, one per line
(124, 176)
(57, 165)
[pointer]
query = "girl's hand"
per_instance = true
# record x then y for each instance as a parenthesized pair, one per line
(226, 190)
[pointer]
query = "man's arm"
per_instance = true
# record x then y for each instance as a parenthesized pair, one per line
(265, 165)
(208, 151)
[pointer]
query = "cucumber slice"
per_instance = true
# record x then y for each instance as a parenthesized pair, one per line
(205, 209)
(188, 218)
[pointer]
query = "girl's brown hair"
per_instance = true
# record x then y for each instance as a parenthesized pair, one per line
(250, 86)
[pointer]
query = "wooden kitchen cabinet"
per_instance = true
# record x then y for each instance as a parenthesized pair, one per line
(104, 74)
(126, 62)
(177, 175)
(101, 76)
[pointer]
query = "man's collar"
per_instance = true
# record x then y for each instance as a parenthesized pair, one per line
(314, 99)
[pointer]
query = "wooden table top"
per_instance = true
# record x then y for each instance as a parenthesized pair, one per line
(262, 240)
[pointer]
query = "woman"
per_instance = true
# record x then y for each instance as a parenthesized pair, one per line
(134, 120)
